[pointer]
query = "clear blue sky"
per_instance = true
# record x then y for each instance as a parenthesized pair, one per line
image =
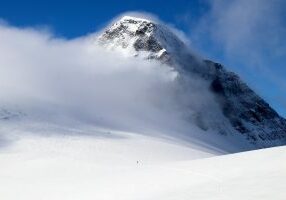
(74, 18)
(247, 36)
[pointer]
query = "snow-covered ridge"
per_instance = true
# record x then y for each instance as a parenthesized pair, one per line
(247, 113)
(127, 17)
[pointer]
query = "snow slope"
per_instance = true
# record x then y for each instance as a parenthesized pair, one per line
(158, 137)
(128, 166)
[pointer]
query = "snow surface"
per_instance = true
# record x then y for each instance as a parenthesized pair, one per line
(156, 144)
(110, 165)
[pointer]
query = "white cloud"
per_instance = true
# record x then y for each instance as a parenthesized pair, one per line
(249, 29)
(54, 79)
(249, 37)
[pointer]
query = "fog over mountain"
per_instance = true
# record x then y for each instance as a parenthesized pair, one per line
(128, 113)
(138, 75)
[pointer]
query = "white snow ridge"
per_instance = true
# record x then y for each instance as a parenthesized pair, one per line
(131, 114)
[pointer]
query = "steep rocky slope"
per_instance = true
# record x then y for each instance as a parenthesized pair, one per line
(247, 113)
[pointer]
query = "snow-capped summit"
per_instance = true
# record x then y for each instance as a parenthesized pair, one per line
(134, 35)
(252, 120)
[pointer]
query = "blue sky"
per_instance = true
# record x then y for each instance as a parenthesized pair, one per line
(246, 36)
(75, 18)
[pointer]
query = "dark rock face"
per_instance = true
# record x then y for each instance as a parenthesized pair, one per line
(248, 114)
(147, 44)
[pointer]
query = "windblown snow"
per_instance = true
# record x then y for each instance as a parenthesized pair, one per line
(130, 113)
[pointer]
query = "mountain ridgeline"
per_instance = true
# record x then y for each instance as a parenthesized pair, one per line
(249, 116)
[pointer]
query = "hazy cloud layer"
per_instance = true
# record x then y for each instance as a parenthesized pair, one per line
(249, 36)
(246, 28)
(57, 80)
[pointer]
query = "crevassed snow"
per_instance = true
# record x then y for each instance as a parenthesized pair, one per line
(129, 166)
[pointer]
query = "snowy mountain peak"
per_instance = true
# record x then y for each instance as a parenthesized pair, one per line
(136, 36)
(250, 117)
(133, 24)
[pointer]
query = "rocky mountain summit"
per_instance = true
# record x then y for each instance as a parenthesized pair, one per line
(248, 114)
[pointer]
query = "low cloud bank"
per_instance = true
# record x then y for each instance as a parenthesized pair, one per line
(57, 80)
(249, 37)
